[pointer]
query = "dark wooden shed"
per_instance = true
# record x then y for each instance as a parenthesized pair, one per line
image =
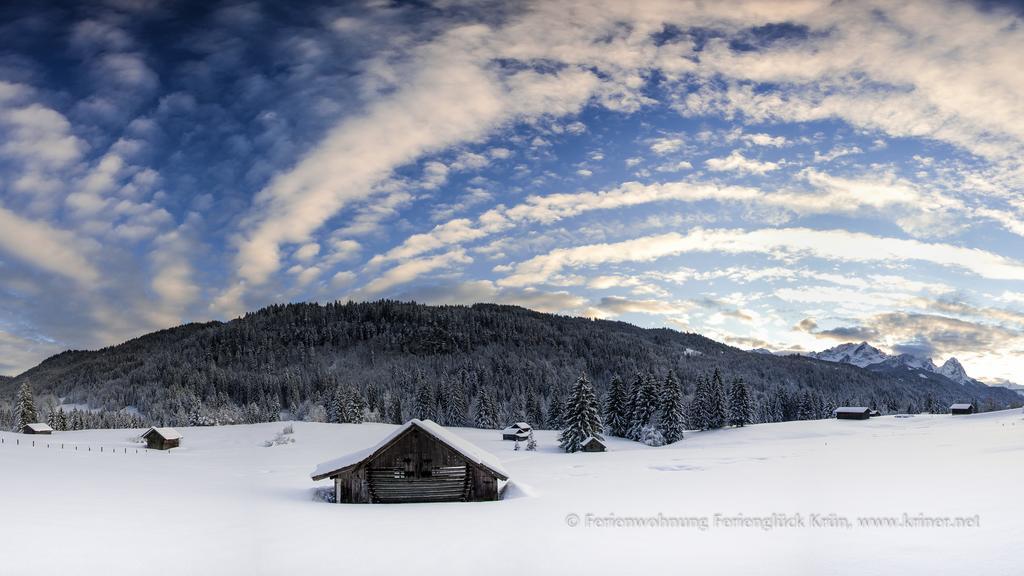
(962, 409)
(853, 413)
(162, 438)
(37, 428)
(592, 444)
(419, 462)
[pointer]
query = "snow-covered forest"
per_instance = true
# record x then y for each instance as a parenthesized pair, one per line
(484, 366)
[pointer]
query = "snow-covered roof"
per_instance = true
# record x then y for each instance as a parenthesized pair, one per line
(39, 427)
(961, 407)
(518, 427)
(852, 410)
(165, 433)
(588, 439)
(471, 452)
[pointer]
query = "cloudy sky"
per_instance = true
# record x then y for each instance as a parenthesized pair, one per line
(787, 175)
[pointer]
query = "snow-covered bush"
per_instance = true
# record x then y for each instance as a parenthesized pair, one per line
(651, 436)
(283, 437)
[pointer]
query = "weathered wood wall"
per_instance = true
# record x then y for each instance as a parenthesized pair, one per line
(416, 468)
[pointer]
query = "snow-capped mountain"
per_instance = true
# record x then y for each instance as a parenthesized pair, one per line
(954, 371)
(865, 355)
(862, 354)
(910, 361)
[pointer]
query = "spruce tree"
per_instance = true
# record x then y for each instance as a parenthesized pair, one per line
(644, 405)
(717, 412)
(424, 408)
(671, 419)
(486, 410)
(554, 420)
(394, 409)
(534, 411)
(455, 404)
(739, 403)
(697, 417)
(26, 408)
(616, 419)
(531, 442)
(581, 417)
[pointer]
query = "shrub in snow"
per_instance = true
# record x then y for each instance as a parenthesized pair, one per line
(651, 436)
(283, 437)
(516, 447)
(324, 494)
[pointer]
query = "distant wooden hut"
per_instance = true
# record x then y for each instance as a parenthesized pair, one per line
(875, 413)
(853, 413)
(592, 444)
(36, 428)
(162, 438)
(962, 409)
(519, 431)
(419, 462)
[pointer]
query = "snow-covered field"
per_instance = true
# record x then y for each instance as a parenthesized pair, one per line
(224, 504)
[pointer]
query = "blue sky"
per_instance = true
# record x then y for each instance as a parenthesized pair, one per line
(780, 175)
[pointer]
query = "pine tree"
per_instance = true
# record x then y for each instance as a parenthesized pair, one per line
(534, 412)
(581, 417)
(716, 402)
(671, 419)
(554, 420)
(454, 404)
(739, 403)
(424, 409)
(62, 420)
(805, 410)
(531, 442)
(26, 408)
(643, 406)
(486, 410)
(616, 418)
(394, 409)
(354, 407)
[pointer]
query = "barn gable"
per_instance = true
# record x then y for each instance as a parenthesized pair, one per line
(419, 462)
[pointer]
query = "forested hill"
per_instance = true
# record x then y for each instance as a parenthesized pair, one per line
(297, 357)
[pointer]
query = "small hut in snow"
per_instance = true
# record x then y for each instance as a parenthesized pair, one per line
(519, 431)
(592, 444)
(853, 413)
(875, 413)
(36, 428)
(419, 462)
(962, 409)
(162, 438)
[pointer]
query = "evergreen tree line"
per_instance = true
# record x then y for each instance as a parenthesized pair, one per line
(484, 365)
(24, 412)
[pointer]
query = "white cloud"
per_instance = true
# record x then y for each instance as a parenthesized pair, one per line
(41, 245)
(736, 162)
(792, 243)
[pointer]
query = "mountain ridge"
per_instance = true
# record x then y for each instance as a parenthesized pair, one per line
(296, 356)
(865, 355)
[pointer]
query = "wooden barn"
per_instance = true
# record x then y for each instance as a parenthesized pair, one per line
(962, 409)
(36, 428)
(419, 462)
(592, 444)
(853, 413)
(162, 438)
(519, 431)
